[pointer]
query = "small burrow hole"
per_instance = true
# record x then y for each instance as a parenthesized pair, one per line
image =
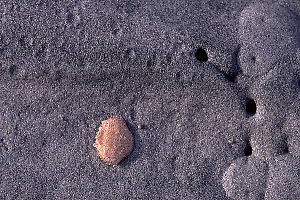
(251, 106)
(12, 69)
(22, 41)
(70, 18)
(201, 55)
(248, 150)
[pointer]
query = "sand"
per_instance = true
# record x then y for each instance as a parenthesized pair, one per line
(67, 66)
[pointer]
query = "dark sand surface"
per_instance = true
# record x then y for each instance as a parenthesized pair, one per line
(222, 128)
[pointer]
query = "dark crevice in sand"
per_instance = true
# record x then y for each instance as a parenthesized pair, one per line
(267, 177)
(248, 150)
(250, 106)
(201, 55)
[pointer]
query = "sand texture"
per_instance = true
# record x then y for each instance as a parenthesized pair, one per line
(209, 90)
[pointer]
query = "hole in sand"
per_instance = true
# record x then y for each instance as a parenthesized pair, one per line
(248, 150)
(230, 76)
(201, 55)
(12, 69)
(251, 107)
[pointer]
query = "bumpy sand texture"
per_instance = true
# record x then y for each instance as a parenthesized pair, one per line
(66, 64)
(284, 178)
(291, 129)
(246, 178)
(269, 37)
(268, 34)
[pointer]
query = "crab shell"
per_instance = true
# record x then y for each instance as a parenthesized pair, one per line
(114, 141)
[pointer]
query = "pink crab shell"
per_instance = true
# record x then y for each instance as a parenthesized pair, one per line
(114, 141)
